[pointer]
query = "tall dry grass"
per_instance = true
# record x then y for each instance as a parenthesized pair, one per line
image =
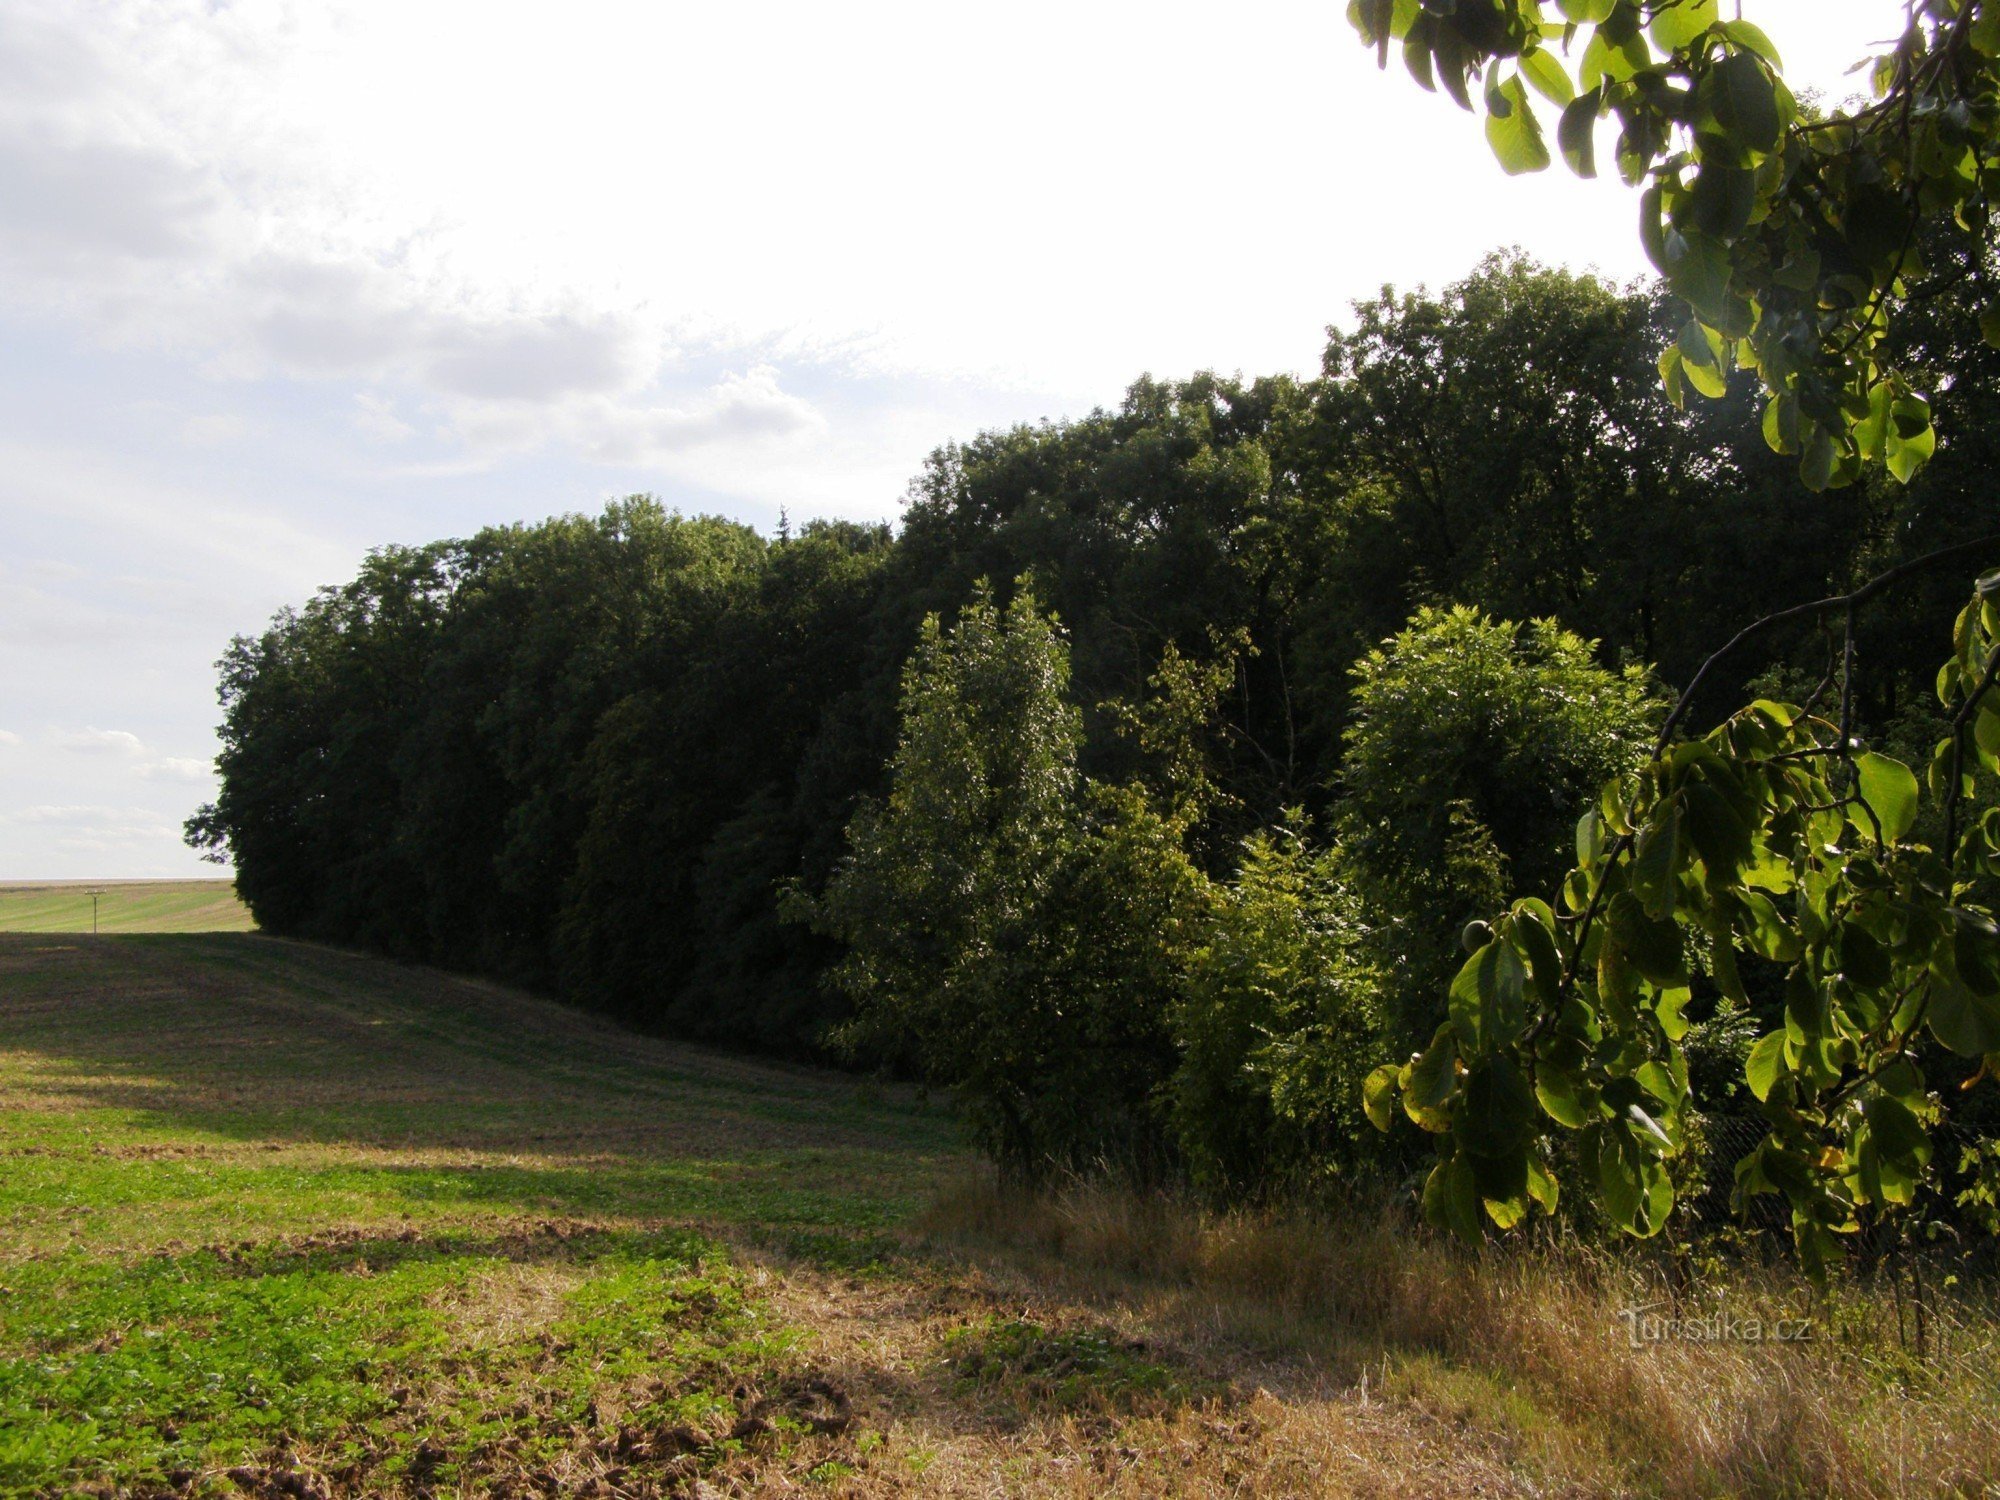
(1533, 1340)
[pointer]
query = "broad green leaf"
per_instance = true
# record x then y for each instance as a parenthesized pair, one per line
(1590, 840)
(1680, 22)
(1485, 1003)
(1671, 1002)
(1537, 945)
(1890, 789)
(1743, 34)
(1451, 1199)
(1906, 455)
(1742, 100)
(1649, 1128)
(1766, 1065)
(1985, 32)
(1576, 132)
(1898, 1133)
(1378, 1095)
(1496, 1109)
(1724, 198)
(1765, 929)
(1513, 131)
(1975, 950)
(1656, 860)
(1542, 1186)
(1560, 1093)
(1819, 455)
(1429, 1081)
(1720, 837)
(1968, 1024)
(1547, 77)
(1650, 945)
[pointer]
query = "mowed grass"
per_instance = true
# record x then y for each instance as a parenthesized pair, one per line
(124, 906)
(280, 1220)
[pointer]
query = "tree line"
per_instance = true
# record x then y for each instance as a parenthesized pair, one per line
(1140, 783)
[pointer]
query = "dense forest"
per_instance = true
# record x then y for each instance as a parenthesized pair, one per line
(1139, 782)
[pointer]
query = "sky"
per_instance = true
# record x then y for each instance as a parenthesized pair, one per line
(281, 282)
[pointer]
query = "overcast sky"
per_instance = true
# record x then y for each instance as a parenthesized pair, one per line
(281, 282)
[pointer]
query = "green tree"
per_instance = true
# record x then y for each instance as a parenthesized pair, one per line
(1012, 929)
(1474, 746)
(1281, 1020)
(1776, 838)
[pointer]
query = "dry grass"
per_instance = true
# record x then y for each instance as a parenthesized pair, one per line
(1529, 1347)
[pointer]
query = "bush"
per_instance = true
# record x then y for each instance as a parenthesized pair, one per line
(1281, 1020)
(1475, 745)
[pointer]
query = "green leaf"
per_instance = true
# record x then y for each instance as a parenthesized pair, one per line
(1651, 945)
(1485, 1003)
(1560, 1093)
(1378, 1095)
(1890, 789)
(1430, 1080)
(1985, 33)
(1542, 1186)
(1724, 197)
(1513, 131)
(1743, 34)
(1576, 132)
(1975, 950)
(1656, 860)
(1781, 423)
(1908, 454)
(1968, 1024)
(1742, 100)
(1649, 1128)
(1720, 836)
(1587, 12)
(1633, 1186)
(1898, 1134)
(1680, 23)
(1536, 943)
(1766, 1065)
(1547, 76)
(1497, 1111)
(1765, 929)
(1451, 1199)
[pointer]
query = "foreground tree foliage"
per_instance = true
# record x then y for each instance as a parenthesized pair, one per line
(1778, 838)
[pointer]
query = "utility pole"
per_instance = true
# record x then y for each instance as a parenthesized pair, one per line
(94, 892)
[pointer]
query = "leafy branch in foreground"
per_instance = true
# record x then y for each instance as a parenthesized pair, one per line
(1791, 237)
(1775, 840)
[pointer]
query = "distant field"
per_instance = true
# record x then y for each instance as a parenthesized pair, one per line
(130, 906)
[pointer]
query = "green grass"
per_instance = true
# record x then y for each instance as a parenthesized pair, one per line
(130, 906)
(274, 1215)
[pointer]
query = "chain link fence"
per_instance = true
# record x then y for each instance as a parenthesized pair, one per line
(1724, 1140)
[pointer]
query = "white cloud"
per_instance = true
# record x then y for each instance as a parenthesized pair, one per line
(178, 768)
(8, 737)
(375, 416)
(94, 741)
(213, 429)
(97, 821)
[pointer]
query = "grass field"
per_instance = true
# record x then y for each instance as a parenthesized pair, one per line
(279, 1220)
(124, 906)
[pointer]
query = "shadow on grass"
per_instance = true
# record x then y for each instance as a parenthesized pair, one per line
(426, 1090)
